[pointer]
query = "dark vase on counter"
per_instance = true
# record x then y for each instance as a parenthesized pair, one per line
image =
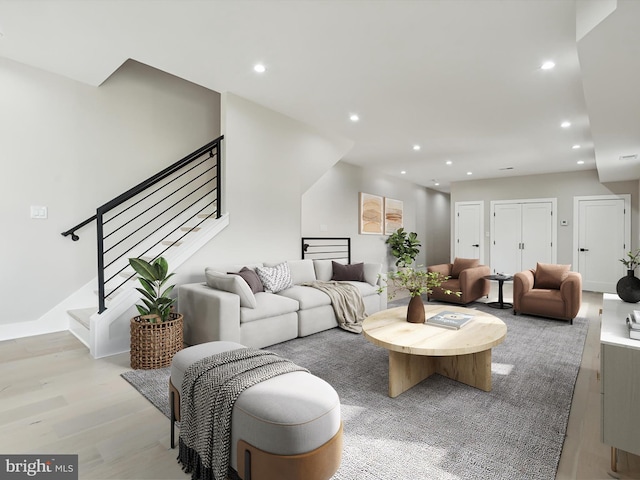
(628, 288)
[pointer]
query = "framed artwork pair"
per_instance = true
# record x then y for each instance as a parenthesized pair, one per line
(379, 215)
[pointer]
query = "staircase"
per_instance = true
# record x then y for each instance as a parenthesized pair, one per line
(172, 214)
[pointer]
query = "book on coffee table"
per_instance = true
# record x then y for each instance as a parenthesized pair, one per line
(449, 319)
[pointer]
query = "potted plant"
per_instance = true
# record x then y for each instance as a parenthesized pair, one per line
(628, 288)
(404, 247)
(632, 260)
(416, 282)
(156, 334)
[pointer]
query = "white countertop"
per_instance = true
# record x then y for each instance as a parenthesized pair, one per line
(614, 329)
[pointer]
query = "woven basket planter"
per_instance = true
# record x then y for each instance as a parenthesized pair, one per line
(153, 345)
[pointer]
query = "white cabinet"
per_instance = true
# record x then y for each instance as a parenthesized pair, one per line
(523, 233)
(620, 379)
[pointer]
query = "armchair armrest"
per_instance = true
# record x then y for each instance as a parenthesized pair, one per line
(209, 314)
(571, 292)
(443, 269)
(522, 283)
(472, 282)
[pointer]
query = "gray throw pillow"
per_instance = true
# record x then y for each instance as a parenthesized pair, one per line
(343, 273)
(251, 277)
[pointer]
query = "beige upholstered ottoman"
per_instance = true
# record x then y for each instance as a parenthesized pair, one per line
(285, 428)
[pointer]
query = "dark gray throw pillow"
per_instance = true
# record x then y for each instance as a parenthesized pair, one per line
(343, 273)
(252, 279)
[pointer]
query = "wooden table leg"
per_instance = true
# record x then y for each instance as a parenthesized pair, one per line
(406, 371)
(473, 369)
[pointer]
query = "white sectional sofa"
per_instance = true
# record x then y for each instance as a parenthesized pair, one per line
(226, 308)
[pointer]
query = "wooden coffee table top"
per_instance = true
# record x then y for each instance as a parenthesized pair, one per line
(390, 329)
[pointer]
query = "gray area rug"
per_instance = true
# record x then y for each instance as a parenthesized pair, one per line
(441, 429)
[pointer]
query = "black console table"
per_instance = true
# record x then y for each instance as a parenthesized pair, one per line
(500, 279)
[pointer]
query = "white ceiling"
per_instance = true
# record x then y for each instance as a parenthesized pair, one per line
(461, 78)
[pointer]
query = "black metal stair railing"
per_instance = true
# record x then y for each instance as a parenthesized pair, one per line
(154, 216)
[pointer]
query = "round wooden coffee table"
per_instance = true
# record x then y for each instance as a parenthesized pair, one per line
(418, 350)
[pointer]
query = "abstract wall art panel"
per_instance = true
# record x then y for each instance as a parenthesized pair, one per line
(393, 211)
(371, 214)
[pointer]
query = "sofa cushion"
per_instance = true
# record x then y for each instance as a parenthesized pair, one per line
(302, 271)
(307, 297)
(460, 264)
(268, 305)
(275, 278)
(365, 288)
(550, 276)
(343, 273)
(372, 273)
(251, 277)
(233, 284)
(324, 270)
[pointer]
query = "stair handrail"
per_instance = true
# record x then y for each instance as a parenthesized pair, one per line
(213, 148)
(132, 192)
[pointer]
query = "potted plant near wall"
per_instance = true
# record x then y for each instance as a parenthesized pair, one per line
(416, 282)
(405, 247)
(156, 334)
(628, 288)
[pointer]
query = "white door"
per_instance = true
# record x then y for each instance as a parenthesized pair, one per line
(603, 238)
(506, 238)
(537, 235)
(523, 233)
(469, 226)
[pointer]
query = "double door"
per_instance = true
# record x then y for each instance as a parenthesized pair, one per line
(522, 234)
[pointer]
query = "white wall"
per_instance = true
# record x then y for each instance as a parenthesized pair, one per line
(330, 209)
(563, 186)
(438, 233)
(269, 160)
(71, 147)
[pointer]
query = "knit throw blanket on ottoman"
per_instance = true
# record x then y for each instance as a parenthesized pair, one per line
(209, 390)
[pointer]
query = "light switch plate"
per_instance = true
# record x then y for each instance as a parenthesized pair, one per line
(38, 212)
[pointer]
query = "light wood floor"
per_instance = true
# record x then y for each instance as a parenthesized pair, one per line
(55, 399)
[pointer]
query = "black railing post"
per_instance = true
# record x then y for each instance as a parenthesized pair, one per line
(218, 181)
(99, 234)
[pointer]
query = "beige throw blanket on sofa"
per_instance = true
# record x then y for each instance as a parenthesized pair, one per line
(346, 301)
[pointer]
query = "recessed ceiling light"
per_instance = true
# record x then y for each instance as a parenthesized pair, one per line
(565, 124)
(416, 147)
(469, 173)
(548, 65)
(448, 162)
(437, 184)
(580, 162)
(354, 118)
(260, 68)
(575, 147)
(403, 172)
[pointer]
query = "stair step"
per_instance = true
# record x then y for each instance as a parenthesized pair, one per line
(83, 315)
(206, 215)
(172, 243)
(190, 229)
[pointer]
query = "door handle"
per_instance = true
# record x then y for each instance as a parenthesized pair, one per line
(475, 245)
(584, 249)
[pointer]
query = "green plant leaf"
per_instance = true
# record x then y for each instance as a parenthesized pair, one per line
(143, 268)
(162, 267)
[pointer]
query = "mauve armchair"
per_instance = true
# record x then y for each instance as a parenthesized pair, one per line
(467, 277)
(548, 291)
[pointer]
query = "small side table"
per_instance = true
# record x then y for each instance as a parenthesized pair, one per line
(500, 279)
